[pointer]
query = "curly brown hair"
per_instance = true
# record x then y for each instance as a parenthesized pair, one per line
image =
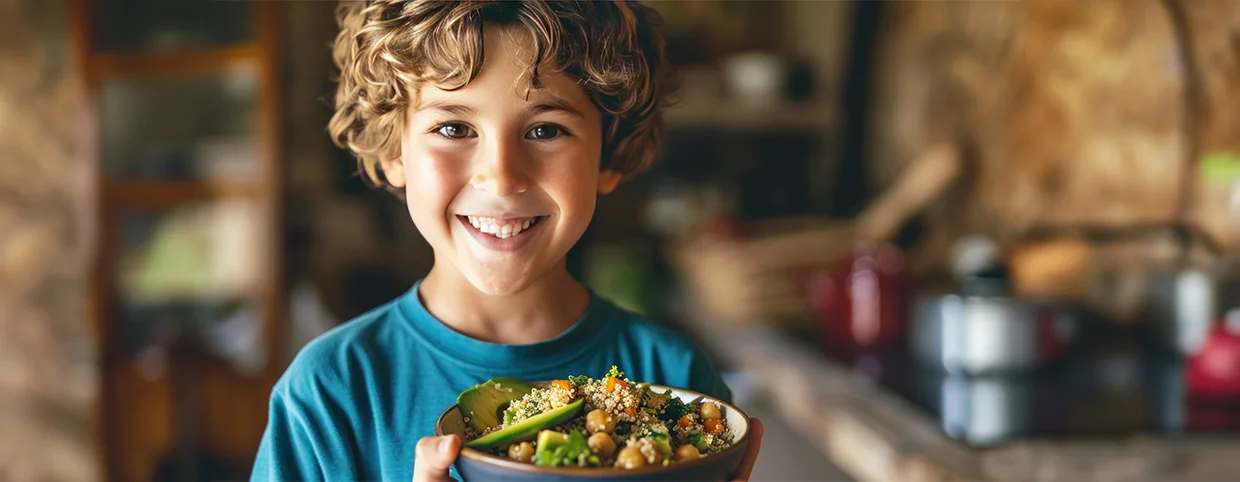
(387, 50)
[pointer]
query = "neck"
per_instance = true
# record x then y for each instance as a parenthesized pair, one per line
(541, 311)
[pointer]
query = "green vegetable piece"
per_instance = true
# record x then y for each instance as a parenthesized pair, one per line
(698, 441)
(664, 446)
(528, 428)
(557, 449)
(482, 403)
(549, 442)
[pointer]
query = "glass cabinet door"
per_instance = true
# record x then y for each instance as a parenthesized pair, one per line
(193, 269)
(181, 127)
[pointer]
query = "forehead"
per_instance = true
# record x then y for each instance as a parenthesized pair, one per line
(508, 76)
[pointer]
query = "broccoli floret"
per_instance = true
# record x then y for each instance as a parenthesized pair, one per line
(614, 373)
(675, 409)
(579, 380)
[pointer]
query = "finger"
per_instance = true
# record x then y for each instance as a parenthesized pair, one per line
(434, 456)
(745, 468)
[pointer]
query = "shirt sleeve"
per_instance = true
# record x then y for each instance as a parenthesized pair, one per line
(300, 443)
(705, 379)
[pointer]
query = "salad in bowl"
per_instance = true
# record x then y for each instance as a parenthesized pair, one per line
(580, 427)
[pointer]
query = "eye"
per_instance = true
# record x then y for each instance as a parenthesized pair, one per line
(454, 131)
(545, 132)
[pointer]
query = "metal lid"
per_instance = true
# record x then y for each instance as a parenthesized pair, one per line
(989, 283)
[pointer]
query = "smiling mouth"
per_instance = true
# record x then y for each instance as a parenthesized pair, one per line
(501, 228)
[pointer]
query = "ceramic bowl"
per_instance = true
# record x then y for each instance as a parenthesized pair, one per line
(475, 465)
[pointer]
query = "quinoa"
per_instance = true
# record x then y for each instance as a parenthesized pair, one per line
(647, 447)
(622, 401)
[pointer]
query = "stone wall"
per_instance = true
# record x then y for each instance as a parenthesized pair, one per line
(48, 376)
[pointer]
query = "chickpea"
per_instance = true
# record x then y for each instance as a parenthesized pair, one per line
(710, 411)
(602, 445)
(524, 452)
(631, 458)
(687, 452)
(599, 420)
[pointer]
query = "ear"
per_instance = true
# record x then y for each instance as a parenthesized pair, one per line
(393, 171)
(608, 180)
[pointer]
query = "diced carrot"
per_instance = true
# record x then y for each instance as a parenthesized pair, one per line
(714, 427)
(562, 384)
(684, 421)
(631, 411)
(613, 382)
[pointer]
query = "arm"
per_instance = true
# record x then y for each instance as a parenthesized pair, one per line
(705, 379)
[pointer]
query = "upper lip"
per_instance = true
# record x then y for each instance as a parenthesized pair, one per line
(503, 216)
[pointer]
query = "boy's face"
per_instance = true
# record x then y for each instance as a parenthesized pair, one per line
(502, 185)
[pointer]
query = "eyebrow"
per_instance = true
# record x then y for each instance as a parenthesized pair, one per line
(551, 104)
(447, 107)
(554, 104)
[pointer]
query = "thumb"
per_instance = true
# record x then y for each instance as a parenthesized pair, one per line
(434, 456)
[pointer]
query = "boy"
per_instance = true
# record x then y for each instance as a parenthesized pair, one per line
(500, 122)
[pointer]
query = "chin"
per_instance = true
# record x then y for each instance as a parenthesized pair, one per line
(499, 284)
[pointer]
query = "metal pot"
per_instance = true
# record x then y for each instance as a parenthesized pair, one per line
(984, 330)
(1182, 304)
(980, 411)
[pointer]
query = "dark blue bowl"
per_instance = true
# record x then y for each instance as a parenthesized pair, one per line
(475, 465)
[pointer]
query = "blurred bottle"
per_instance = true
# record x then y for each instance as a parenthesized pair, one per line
(862, 304)
(1213, 372)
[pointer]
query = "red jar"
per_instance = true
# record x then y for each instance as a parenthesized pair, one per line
(862, 303)
(1213, 372)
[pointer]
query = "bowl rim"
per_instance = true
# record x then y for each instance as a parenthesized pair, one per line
(482, 457)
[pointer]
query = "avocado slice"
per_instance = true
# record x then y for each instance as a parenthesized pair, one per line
(482, 404)
(528, 428)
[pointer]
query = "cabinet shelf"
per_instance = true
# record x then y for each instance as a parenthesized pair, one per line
(733, 116)
(174, 62)
(157, 194)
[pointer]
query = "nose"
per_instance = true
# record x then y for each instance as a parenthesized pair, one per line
(501, 169)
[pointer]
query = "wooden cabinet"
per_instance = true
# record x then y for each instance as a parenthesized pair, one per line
(187, 294)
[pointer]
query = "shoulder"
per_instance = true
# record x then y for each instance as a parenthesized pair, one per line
(667, 356)
(641, 329)
(332, 360)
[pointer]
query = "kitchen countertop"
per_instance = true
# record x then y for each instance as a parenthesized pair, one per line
(873, 434)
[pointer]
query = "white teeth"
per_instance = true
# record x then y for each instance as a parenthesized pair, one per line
(501, 231)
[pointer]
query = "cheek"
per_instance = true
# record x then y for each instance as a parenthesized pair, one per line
(432, 179)
(572, 182)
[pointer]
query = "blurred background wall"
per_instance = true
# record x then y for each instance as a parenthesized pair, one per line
(175, 223)
(49, 383)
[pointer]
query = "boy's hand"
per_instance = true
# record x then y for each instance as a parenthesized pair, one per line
(434, 456)
(751, 451)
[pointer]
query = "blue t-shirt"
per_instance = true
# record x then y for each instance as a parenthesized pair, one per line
(355, 401)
